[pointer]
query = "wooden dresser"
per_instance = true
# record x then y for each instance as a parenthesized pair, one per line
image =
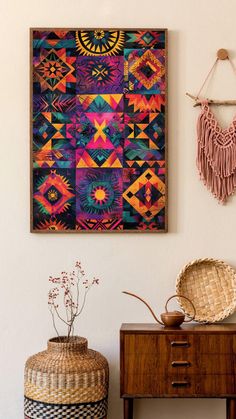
(190, 361)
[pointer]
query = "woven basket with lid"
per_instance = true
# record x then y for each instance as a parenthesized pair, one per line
(67, 380)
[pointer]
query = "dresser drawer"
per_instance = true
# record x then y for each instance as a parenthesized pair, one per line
(198, 385)
(215, 385)
(213, 344)
(179, 385)
(148, 385)
(216, 364)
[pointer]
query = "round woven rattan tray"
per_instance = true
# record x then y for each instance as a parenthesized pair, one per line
(211, 285)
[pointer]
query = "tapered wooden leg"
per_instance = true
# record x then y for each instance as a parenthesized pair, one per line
(231, 408)
(128, 409)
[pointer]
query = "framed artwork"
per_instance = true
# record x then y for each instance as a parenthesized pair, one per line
(98, 130)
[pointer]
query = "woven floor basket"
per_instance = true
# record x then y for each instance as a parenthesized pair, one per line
(66, 381)
(211, 285)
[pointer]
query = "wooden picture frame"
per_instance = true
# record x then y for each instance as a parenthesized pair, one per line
(98, 129)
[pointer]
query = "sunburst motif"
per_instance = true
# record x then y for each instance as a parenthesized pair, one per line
(53, 194)
(99, 42)
(100, 195)
(52, 224)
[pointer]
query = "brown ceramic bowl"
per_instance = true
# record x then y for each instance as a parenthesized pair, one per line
(172, 319)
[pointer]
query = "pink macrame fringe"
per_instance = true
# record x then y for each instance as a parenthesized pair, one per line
(216, 155)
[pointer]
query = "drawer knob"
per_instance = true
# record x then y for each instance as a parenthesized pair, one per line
(180, 343)
(180, 364)
(180, 384)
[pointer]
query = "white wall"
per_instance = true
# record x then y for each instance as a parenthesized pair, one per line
(146, 264)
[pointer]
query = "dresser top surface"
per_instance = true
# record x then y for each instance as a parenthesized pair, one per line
(184, 328)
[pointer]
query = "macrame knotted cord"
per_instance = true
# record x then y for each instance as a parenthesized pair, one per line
(216, 154)
(216, 149)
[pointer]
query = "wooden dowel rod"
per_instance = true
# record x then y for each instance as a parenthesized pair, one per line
(212, 101)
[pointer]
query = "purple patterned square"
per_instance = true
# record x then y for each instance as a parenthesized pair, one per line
(98, 193)
(100, 75)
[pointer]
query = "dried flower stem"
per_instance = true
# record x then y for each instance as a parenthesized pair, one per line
(69, 285)
(53, 321)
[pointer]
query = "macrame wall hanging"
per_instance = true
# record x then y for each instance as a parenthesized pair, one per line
(216, 147)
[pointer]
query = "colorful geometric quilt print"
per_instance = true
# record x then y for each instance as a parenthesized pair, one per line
(99, 130)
